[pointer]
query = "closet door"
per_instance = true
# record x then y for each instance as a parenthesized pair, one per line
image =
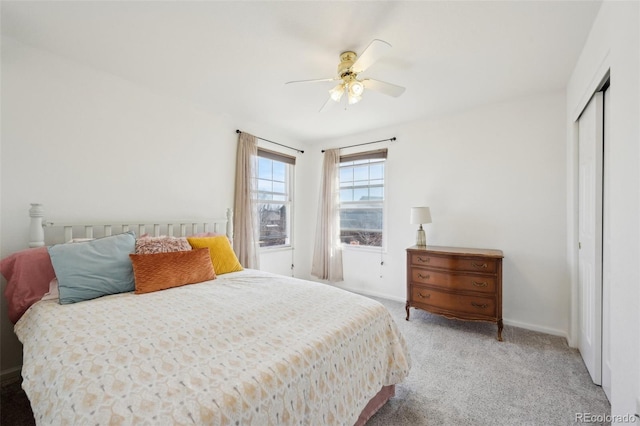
(590, 147)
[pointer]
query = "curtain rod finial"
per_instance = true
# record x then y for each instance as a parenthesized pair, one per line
(393, 139)
(238, 131)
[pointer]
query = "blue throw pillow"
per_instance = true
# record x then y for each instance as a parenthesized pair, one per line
(94, 268)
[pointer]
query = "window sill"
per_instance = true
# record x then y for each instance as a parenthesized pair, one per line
(273, 249)
(363, 249)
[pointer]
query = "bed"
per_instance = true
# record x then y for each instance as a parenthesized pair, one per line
(247, 347)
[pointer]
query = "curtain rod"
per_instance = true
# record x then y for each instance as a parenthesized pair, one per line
(366, 143)
(276, 143)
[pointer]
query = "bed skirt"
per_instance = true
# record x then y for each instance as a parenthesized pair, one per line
(386, 393)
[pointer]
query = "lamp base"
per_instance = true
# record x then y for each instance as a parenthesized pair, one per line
(421, 237)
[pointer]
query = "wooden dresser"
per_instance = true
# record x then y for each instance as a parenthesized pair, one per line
(461, 283)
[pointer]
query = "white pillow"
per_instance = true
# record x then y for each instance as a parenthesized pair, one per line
(53, 291)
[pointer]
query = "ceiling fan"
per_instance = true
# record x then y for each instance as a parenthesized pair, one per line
(350, 66)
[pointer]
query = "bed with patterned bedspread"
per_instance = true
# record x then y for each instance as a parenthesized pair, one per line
(246, 348)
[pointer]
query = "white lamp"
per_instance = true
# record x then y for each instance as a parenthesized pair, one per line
(420, 215)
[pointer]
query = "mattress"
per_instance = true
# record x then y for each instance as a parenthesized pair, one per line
(247, 348)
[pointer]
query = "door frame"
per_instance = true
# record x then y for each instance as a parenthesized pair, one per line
(606, 243)
(601, 77)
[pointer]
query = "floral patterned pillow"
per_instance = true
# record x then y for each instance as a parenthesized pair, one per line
(162, 244)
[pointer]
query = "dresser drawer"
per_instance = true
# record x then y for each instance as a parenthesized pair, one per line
(455, 303)
(455, 263)
(456, 282)
(465, 282)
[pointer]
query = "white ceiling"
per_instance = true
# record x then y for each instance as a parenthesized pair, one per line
(234, 57)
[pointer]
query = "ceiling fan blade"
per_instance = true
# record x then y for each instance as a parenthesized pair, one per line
(325, 105)
(383, 87)
(313, 81)
(374, 51)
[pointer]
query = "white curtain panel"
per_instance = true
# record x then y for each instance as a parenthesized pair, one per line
(245, 220)
(327, 253)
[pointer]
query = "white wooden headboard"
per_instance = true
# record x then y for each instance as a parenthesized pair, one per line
(177, 228)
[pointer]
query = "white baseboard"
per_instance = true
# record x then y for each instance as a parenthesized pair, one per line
(374, 294)
(10, 374)
(519, 324)
(532, 327)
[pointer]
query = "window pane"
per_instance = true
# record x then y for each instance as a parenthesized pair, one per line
(279, 171)
(278, 187)
(361, 226)
(346, 195)
(376, 193)
(264, 196)
(264, 185)
(264, 168)
(361, 194)
(346, 175)
(361, 173)
(376, 171)
(273, 225)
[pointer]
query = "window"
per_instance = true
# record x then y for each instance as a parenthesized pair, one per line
(362, 198)
(274, 197)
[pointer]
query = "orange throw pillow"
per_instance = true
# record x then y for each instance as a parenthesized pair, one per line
(160, 271)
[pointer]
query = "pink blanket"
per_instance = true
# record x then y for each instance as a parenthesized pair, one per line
(28, 273)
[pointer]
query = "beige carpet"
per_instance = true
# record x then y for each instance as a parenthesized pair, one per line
(461, 375)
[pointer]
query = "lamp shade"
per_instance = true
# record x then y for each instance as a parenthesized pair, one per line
(420, 215)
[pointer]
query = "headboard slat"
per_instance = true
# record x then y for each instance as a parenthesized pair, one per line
(68, 233)
(99, 229)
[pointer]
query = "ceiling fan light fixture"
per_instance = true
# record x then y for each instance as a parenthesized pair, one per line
(354, 99)
(337, 92)
(351, 65)
(356, 88)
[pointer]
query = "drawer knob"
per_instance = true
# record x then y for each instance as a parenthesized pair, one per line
(479, 265)
(424, 277)
(424, 296)
(479, 305)
(480, 284)
(424, 259)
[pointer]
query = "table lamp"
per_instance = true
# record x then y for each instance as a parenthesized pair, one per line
(420, 215)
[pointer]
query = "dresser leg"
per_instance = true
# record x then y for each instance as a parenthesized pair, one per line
(406, 307)
(500, 330)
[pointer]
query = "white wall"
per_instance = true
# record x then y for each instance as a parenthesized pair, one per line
(494, 177)
(90, 145)
(613, 44)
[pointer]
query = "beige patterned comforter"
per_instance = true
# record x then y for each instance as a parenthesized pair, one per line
(247, 348)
